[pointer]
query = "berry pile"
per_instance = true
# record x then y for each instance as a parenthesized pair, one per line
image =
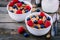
(18, 7)
(39, 21)
(21, 30)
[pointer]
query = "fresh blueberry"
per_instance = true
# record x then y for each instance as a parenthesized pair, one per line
(42, 26)
(12, 11)
(15, 7)
(33, 16)
(22, 2)
(48, 18)
(35, 21)
(28, 18)
(26, 34)
(36, 27)
(26, 11)
(39, 16)
(38, 10)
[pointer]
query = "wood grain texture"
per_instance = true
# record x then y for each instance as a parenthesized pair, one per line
(5, 18)
(7, 23)
(11, 25)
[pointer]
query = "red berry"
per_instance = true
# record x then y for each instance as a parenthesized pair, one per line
(30, 23)
(18, 12)
(47, 24)
(42, 14)
(21, 30)
(40, 22)
(28, 7)
(11, 3)
(19, 4)
(15, 1)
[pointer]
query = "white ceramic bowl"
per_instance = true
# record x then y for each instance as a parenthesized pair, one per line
(50, 5)
(38, 32)
(19, 17)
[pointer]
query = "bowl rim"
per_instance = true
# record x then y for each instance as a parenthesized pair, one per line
(20, 14)
(34, 13)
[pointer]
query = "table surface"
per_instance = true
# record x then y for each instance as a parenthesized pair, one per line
(6, 23)
(11, 34)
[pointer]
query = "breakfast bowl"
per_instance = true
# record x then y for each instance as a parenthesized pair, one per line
(19, 13)
(37, 31)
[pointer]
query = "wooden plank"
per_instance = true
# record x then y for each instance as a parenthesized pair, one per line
(59, 11)
(56, 38)
(11, 25)
(3, 10)
(5, 18)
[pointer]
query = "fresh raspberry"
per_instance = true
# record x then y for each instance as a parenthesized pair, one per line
(47, 23)
(21, 30)
(28, 7)
(15, 1)
(42, 14)
(19, 4)
(40, 22)
(30, 23)
(11, 3)
(18, 12)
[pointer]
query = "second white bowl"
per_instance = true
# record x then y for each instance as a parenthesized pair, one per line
(19, 17)
(38, 32)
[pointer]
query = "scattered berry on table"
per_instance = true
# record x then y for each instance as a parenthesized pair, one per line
(21, 30)
(26, 35)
